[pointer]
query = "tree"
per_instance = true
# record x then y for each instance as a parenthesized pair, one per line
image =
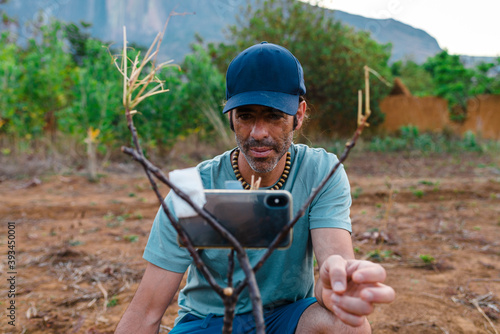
(205, 88)
(332, 55)
(487, 78)
(10, 74)
(45, 81)
(95, 95)
(77, 39)
(414, 76)
(452, 82)
(457, 84)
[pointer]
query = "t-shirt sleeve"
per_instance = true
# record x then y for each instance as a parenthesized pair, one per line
(331, 207)
(162, 248)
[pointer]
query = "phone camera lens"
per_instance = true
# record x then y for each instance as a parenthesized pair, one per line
(277, 201)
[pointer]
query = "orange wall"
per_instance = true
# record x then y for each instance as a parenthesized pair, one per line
(483, 116)
(431, 114)
(427, 113)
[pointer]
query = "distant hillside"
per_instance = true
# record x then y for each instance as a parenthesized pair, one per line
(408, 43)
(144, 19)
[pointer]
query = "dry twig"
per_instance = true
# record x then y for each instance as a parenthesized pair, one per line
(485, 301)
(104, 294)
(476, 304)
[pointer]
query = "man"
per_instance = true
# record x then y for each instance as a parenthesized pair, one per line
(264, 92)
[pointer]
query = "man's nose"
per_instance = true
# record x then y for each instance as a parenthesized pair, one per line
(259, 130)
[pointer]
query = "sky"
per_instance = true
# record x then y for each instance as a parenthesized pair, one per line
(463, 27)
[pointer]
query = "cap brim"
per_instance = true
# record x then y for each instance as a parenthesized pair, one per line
(286, 103)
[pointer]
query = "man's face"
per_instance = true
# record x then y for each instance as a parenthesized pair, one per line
(263, 135)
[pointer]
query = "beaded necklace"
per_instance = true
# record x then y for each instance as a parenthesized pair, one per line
(246, 186)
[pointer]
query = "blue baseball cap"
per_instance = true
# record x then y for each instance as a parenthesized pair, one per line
(265, 74)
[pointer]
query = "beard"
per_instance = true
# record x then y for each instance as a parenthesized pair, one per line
(267, 164)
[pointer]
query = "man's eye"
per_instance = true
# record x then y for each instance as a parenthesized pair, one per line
(244, 116)
(275, 116)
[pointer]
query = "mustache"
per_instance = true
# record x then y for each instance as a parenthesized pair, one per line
(251, 143)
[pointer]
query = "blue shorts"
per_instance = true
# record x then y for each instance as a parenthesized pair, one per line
(282, 319)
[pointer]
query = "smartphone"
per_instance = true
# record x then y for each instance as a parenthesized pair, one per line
(254, 217)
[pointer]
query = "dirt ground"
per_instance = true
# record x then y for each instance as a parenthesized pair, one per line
(432, 222)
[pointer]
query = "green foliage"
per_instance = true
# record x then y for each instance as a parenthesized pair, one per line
(452, 81)
(112, 302)
(63, 81)
(206, 91)
(486, 83)
(456, 83)
(332, 55)
(10, 74)
(96, 98)
(427, 259)
(470, 142)
(191, 106)
(131, 238)
(378, 255)
(411, 140)
(414, 76)
(38, 80)
(419, 193)
(77, 39)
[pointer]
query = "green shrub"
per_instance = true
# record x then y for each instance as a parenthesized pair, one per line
(410, 139)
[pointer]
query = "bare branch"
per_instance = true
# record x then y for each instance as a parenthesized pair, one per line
(381, 78)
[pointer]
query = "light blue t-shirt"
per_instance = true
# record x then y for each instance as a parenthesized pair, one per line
(288, 275)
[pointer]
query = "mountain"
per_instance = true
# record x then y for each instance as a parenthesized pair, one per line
(144, 19)
(408, 43)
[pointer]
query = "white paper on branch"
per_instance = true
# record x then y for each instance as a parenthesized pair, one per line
(189, 181)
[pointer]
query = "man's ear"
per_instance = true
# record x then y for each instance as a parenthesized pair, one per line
(301, 112)
(230, 118)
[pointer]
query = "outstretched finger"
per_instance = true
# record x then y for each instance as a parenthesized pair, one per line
(379, 293)
(352, 305)
(366, 271)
